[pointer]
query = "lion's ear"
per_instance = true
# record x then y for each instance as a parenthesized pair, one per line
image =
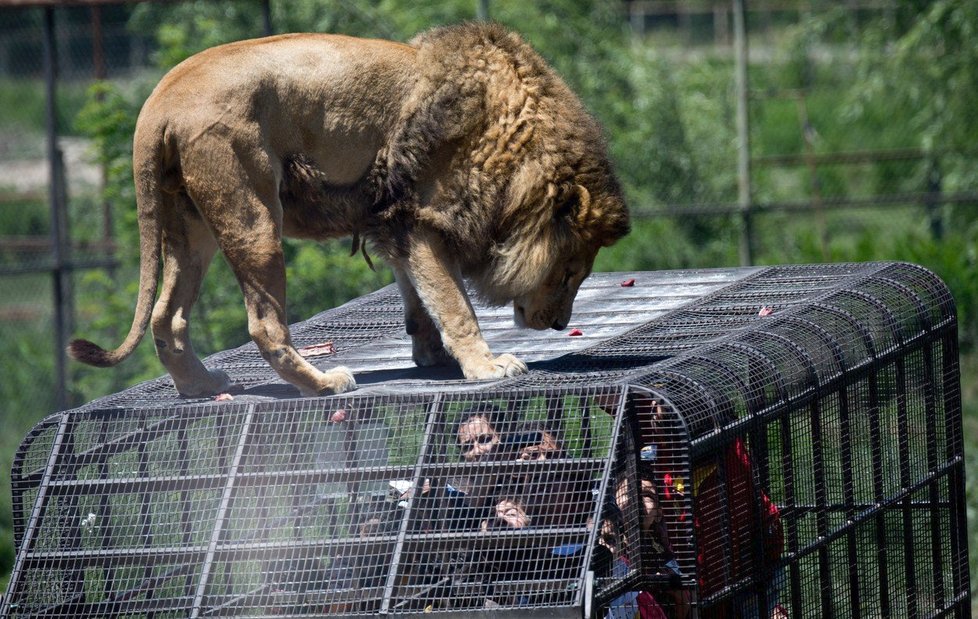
(574, 203)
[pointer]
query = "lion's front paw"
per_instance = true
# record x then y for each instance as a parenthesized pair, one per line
(337, 380)
(508, 365)
(500, 367)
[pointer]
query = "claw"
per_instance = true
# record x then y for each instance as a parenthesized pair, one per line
(337, 380)
(508, 365)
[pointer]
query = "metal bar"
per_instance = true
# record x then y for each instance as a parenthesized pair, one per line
(587, 440)
(266, 17)
(903, 440)
(222, 513)
(105, 509)
(816, 187)
(848, 492)
(759, 453)
(954, 446)
(431, 424)
(622, 411)
(68, 265)
(171, 483)
(844, 157)
(791, 527)
(146, 514)
(186, 514)
(879, 490)
(907, 199)
(232, 550)
(73, 581)
(29, 538)
(821, 522)
(76, 607)
(482, 10)
(930, 421)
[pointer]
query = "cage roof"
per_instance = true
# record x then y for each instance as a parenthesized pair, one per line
(797, 326)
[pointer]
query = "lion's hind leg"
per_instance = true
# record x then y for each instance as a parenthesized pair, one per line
(246, 216)
(188, 248)
(261, 275)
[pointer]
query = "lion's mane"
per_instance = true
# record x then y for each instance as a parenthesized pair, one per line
(518, 141)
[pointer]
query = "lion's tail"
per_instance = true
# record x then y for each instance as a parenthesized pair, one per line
(147, 170)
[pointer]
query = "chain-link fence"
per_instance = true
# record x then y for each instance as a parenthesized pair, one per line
(789, 162)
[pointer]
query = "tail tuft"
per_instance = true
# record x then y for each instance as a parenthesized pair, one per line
(90, 353)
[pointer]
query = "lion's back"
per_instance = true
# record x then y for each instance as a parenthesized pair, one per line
(331, 97)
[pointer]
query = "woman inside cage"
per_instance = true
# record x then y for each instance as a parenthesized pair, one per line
(737, 526)
(642, 505)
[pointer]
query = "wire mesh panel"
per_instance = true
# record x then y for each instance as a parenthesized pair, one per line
(362, 505)
(777, 442)
(827, 467)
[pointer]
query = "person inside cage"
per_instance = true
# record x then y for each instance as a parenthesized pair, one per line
(540, 497)
(458, 501)
(477, 436)
(535, 440)
(462, 501)
(551, 556)
(653, 538)
(479, 440)
(737, 526)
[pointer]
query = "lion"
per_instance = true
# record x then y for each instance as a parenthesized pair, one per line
(459, 156)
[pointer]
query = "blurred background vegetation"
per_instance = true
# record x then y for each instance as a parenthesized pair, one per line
(862, 142)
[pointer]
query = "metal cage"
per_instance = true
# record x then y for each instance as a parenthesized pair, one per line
(758, 442)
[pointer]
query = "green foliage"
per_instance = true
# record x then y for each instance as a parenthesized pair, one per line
(661, 244)
(185, 28)
(25, 217)
(24, 107)
(21, 404)
(928, 76)
(955, 260)
(320, 276)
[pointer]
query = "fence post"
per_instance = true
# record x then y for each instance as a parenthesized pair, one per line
(743, 134)
(932, 200)
(266, 15)
(60, 268)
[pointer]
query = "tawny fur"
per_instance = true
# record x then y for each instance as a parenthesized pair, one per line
(459, 156)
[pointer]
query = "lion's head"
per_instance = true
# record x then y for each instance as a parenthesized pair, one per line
(551, 263)
(562, 205)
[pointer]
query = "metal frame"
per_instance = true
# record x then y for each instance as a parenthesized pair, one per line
(841, 409)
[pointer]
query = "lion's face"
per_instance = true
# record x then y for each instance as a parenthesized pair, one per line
(550, 305)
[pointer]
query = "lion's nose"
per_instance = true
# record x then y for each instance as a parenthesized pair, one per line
(558, 326)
